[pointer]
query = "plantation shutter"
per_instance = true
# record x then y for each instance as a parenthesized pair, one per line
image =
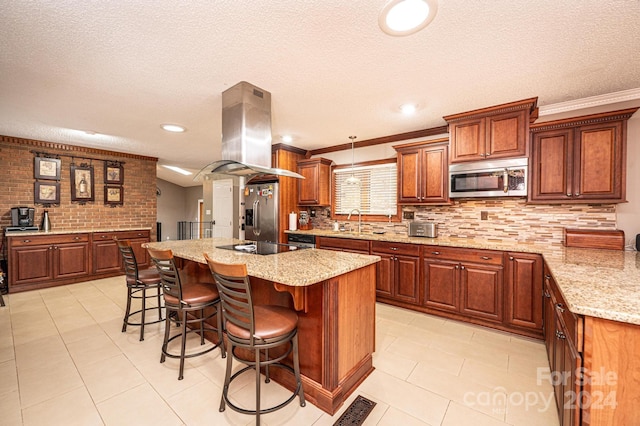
(375, 194)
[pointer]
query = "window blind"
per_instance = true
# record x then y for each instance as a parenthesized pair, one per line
(375, 194)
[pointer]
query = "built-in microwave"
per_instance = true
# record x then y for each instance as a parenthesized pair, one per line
(497, 178)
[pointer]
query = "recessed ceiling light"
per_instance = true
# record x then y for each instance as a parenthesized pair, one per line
(178, 170)
(404, 17)
(408, 109)
(287, 139)
(173, 128)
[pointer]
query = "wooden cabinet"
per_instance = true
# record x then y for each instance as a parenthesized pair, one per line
(314, 189)
(423, 172)
(501, 131)
(343, 244)
(398, 272)
(523, 291)
(106, 255)
(467, 282)
(36, 261)
(580, 160)
(563, 338)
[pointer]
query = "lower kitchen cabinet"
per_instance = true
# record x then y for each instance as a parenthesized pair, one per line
(398, 272)
(523, 290)
(40, 261)
(35, 261)
(343, 244)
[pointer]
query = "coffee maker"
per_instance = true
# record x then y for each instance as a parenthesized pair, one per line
(22, 219)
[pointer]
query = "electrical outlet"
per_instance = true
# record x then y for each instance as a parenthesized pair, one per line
(484, 215)
(313, 213)
(408, 215)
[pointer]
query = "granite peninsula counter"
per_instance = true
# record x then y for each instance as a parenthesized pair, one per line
(334, 295)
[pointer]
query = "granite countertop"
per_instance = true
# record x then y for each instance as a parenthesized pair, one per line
(598, 283)
(295, 268)
(72, 231)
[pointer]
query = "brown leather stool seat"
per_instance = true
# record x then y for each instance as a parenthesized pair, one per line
(138, 282)
(255, 328)
(189, 305)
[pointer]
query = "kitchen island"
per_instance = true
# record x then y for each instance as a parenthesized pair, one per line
(334, 296)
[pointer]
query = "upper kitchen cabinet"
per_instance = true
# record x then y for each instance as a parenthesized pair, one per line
(580, 160)
(314, 189)
(499, 131)
(423, 172)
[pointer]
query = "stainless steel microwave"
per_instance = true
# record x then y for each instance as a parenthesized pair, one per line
(497, 178)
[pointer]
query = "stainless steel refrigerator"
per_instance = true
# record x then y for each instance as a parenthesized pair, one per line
(261, 212)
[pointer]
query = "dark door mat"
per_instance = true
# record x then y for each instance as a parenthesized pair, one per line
(356, 413)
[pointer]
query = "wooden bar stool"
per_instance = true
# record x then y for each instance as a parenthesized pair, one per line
(185, 304)
(255, 328)
(138, 282)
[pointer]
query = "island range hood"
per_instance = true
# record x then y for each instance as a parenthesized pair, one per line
(246, 135)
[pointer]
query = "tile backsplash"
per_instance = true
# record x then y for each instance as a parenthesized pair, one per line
(508, 219)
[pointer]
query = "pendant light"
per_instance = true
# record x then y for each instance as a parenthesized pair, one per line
(352, 180)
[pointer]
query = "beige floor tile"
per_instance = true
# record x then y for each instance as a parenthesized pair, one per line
(92, 349)
(45, 353)
(458, 415)
(70, 408)
(383, 340)
(43, 383)
(164, 376)
(81, 332)
(9, 377)
(141, 405)
(399, 315)
(419, 351)
(498, 378)
(10, 412)
(7, 351)
(393, 364)
(407, 397)
(462, 390)
(394, 417)
(33, 329)
(531, 408)
(110, 377)
(531, 366)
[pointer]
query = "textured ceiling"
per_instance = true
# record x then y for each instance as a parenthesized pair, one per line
(121, 68)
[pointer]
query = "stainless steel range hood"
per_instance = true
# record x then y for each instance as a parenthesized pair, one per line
(246, 134)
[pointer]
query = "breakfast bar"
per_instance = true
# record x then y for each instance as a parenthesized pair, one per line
(333, 294)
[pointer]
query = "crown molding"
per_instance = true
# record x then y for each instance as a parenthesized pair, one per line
(592, 101)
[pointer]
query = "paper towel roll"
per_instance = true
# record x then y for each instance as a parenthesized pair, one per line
(293, 221)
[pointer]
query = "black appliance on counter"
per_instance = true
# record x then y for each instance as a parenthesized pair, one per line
(22, 219)
(262, 247)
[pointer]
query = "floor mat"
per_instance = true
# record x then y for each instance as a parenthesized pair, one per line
(356, 413)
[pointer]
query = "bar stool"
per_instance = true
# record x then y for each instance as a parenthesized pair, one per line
(138, 282)
(182, 302)
(255, 328)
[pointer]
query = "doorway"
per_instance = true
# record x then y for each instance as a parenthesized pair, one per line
(222, 220)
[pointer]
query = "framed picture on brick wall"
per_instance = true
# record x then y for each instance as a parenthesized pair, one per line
(46, 168)
(82, 183)
(113, 173)
(46, 193)
(113, 195)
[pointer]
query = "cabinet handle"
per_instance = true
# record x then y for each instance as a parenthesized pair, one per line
(486, 258)
(487, 154)
(139, 235)
(547, 294)
(394, 248)
(568, 194)
(559, 307)
(26, 241)
(577, 194)
(560, 335)
(462, 267)
(481, 155)
(510, 257)
(457, 267)
(435, 252)
(55, 247)
(50, 247)
(76, 238)
(103, 236)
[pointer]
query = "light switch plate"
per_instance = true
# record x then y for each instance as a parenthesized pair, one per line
(408, 215)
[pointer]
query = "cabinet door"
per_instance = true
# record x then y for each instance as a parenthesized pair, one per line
(31, 264)
(552, 166)
(467, 140)
(549, 321)
(141, 253)
(308, 187)
(524, 290)
(407, 278)
(599, 162)
(409, 182)
(71, 260)
(571, 389)
(435, 175)
(441, 285)
(384, 276)
(106, 257)
(481, 291)
(507, 135)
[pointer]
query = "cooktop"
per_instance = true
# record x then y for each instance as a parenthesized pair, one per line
(261, 247)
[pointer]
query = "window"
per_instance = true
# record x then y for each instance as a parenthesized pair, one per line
(375, 194)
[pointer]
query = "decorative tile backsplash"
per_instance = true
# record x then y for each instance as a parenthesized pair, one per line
(508, 219)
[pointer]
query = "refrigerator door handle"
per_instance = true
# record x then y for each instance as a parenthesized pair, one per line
(256, 218)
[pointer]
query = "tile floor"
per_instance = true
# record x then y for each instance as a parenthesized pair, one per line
(64, 361)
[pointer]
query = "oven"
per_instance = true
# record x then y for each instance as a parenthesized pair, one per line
(302, 240)
(498, 178)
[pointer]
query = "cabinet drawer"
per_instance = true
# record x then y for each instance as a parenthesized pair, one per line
(31, 240)
(395, 248)
(571, 322)
(489, 257)
(342, 244)
(121, 235)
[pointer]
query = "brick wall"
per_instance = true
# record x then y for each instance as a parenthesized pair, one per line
(17, 187)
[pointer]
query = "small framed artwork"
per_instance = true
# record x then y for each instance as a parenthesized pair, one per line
(113, 195)
(113, 173)
(47, 168)
(46, 193)
(82, 183)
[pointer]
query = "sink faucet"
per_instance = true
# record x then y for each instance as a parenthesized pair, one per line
(359, 219)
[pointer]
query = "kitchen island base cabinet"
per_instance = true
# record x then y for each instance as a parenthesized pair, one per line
(336, 330)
